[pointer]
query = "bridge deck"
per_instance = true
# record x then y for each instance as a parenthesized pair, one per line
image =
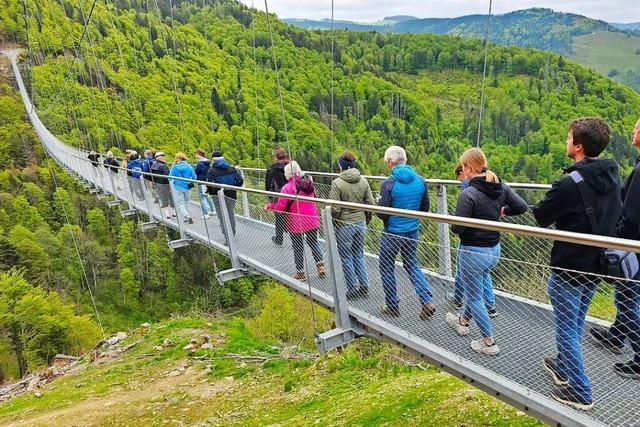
(523, 328)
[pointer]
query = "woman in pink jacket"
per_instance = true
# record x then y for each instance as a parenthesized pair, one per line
(302, 220)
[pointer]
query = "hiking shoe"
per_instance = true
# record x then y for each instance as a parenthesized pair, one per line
(428, 310)
(322, 271)
(299, 275)
(628, 369)
(391, 311)
(276, 241)
(569, 397)
(453, 320)
(601, 336)
(550, 366)
(492, 311)
(479, 346)
(455, 302)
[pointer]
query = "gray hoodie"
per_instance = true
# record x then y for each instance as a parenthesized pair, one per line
(350, 186)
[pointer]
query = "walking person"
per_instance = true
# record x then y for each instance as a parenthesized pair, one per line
(404, 189)
(149, 158)
(221, 172)
(627, 294)
(94, 158)
(456, 298)
(134, 172)
(160, 183)
(350, 224)
(112, 164)
(274, 181)
(183, 169)
(202, 167)
(302, 219)
(571, 284)
(485, 198)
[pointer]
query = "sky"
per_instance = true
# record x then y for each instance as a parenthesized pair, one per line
(374, 10)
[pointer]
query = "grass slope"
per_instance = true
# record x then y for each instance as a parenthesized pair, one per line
(361, 386)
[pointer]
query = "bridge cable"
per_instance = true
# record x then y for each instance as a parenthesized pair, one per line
(286, 133)
(333, 66)
(255, 79)
(484, 73)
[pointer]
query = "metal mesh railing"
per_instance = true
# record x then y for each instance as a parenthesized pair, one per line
(511, 296)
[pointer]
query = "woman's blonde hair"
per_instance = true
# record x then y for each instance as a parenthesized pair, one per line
(292, 169)
(475, 160)
(180, 156)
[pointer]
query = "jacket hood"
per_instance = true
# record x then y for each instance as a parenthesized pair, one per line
(600, 174)
(204, 160)
(492, 190)
(279, 166)
(220, 164)
(404, 174)
(352, 176)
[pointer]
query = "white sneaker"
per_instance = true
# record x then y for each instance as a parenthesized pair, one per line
(481, 347)
(453, 320)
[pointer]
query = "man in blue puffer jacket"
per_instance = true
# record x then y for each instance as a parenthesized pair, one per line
(404, 189)
(221, 172)
(134, 172)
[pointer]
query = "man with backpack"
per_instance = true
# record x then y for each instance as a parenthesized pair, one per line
(221, 172)
(274, 181)
(585, 200)
(627, 293)
(404, 189)
(161, 183)
(134, 172)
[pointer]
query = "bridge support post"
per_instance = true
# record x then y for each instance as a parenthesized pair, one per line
(444, 239)
(246, 212)
(238, 269)
(344, 332)
(184, 240)
(149, 204)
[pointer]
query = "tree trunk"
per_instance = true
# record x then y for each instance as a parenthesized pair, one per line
(18, 349)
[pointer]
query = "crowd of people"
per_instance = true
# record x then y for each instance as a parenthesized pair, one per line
(589, 199)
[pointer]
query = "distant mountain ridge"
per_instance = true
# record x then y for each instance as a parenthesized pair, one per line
(568, 34)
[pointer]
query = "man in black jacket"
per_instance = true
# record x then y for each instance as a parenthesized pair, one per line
(571, 293)
(161, 184)
(274, 181)
(221, 172)
(627, 295)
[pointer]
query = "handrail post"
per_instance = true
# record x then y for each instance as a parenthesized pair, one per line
(444, 238)
(246, 212)
(226, 223)
(345, 330)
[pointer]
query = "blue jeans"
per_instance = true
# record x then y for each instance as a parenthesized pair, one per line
(627, 323)
(350, 239)
(475, 264)
(183, 200)
(205, 201)
(570, 304)
(406, 244)
(487, 286)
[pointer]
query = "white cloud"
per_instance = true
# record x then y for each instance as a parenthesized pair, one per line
(373, 10)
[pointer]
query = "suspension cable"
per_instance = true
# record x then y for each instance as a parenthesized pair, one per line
(255, 80)
(333, 66)
(484, 74)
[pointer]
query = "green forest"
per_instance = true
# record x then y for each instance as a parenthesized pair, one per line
(183, 75)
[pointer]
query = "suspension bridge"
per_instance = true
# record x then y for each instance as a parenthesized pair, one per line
(524, 327)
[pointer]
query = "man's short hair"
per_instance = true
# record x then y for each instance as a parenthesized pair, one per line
(396, 155)
(280, 153)
(200, 152)
(592, 133)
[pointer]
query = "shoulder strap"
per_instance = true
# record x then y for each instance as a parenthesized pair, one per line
(586, 200)
(290, 202)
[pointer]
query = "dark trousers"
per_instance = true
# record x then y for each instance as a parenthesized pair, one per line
(164, 192)
(280, 221)
(297, 243)
(627, 323)
(231, 207)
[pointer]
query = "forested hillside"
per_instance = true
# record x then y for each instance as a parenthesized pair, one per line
(187, 76)
(539, 28)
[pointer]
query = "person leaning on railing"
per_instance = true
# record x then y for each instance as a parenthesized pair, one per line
(404, 189)
(485, 198)
(350, 224)
(571, 293)
(627, 294)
